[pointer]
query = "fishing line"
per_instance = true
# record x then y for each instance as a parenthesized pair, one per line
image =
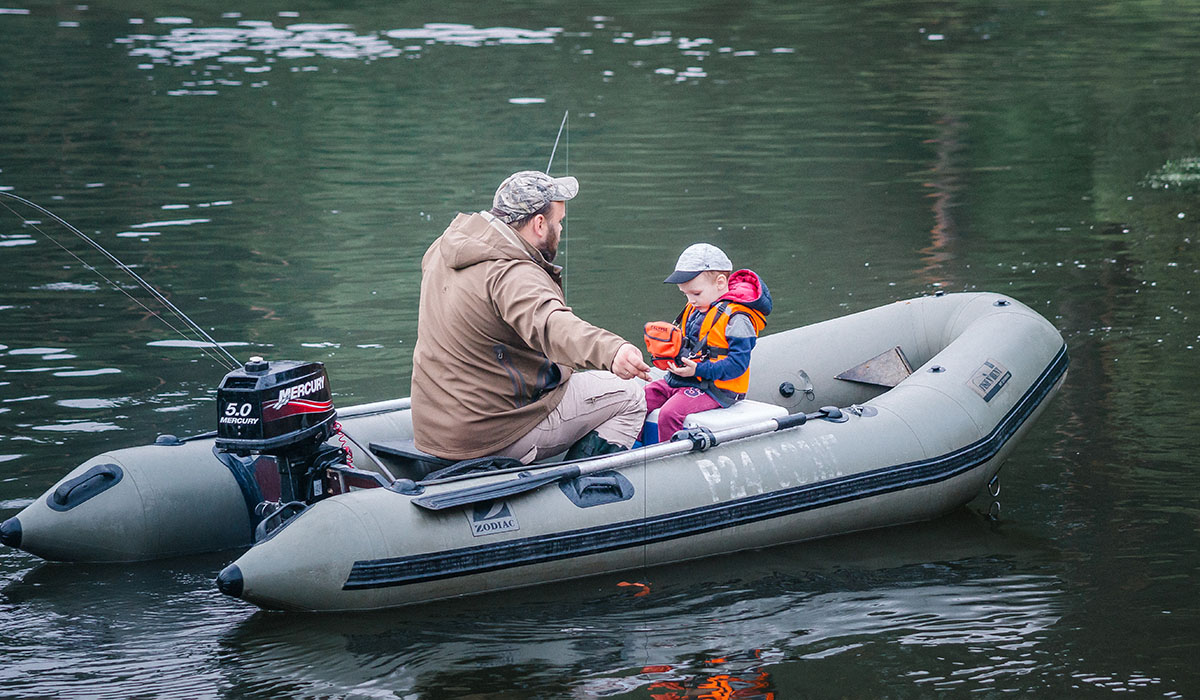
(228, 361)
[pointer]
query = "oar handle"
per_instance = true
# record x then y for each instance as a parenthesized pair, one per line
(702, 440)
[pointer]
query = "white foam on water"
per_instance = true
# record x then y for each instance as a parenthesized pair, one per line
(176, 222)
(88, 404)
(68, 287)
(78, 427)
(181, 343)
(469, 35)
(250, 40)
(88, 372)
(36, 351)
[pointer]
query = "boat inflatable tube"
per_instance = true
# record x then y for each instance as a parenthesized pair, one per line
(984, 367)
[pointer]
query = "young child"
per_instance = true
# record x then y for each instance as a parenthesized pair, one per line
(724, 313)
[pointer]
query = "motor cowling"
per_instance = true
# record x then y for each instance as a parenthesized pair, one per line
(274, 406)
(282, 413)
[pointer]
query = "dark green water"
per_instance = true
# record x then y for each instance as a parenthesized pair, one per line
(278, 170)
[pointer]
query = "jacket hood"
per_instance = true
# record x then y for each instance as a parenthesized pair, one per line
(746, 287)
(473, 238)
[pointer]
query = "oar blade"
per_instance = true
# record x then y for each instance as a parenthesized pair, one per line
(494, 491)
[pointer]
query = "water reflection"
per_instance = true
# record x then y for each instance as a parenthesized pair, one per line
(945, 182)
(116, 632)
(728, 625)
(703, 630)
(258, 46)
(253, 45)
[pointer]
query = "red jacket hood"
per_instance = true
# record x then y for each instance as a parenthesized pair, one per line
(746, 287)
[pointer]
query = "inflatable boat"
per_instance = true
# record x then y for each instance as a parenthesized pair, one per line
(896, 414)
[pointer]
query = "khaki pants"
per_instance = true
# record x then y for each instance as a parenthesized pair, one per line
(615, 408)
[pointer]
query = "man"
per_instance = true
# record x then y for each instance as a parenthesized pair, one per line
(496, 342)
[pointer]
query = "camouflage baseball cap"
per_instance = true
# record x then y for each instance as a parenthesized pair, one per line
(526, 192)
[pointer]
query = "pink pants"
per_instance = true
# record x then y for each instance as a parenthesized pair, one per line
(675, 404)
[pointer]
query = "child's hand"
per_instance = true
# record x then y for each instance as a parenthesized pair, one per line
(687, 369)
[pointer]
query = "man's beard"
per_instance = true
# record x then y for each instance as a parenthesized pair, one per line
(550, 250)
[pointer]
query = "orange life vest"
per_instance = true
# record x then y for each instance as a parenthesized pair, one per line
(713, 343)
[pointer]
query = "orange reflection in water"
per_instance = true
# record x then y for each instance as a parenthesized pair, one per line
(747, 684)
(945, 182)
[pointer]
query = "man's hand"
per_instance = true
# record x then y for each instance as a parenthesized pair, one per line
(686, 368)
(628, 363)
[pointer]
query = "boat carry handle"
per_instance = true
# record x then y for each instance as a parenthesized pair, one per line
(96, 480)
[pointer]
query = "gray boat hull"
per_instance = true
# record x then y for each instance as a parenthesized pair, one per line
(986, 367)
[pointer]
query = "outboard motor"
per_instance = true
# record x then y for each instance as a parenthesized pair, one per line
(273, 421)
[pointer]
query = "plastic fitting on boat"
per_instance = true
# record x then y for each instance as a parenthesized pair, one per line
(10, 532)
(230, 581)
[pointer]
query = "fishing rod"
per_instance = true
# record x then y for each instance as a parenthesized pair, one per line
(228, 361)
(556, 139)
(566, 171)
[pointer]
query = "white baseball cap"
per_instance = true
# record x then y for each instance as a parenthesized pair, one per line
(698, 258)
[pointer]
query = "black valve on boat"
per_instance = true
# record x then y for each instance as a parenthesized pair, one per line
(282, 410)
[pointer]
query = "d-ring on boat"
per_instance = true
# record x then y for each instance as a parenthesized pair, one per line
(892, 415)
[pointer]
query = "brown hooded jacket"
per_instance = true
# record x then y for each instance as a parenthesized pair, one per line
(496, 342)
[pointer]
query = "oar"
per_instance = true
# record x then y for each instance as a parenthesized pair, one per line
(698, 440)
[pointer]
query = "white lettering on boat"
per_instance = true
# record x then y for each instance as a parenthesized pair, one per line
(712, 476)
(780, 459)
(753, 479)
(737, 489)
(790, 463)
